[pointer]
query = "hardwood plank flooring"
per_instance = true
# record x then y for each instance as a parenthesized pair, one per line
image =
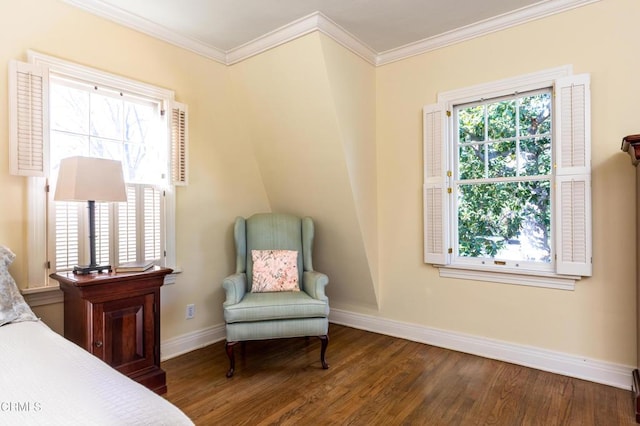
(380, 380)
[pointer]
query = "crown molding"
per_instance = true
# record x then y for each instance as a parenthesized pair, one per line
(277, 37)
(487, 26)
(315, 21)
(318, 22)
(135, 22)
(346, 39)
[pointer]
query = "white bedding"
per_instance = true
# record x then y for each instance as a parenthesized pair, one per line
(47, 380)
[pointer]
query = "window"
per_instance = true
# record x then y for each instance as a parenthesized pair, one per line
(502, 154)
(61, 109)
(507, 181)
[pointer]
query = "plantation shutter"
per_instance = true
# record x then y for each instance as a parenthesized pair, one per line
(138, 235)
(573, 176)
(28, 119)
(152, 217)
(70, 238)
(140, 224)
(179, 140)
(127, 229)
(435, 185)
(66, 240)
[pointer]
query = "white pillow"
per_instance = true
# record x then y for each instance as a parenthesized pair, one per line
(274, 270)
(13, 308)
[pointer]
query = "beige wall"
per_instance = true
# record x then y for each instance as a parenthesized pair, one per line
(300, 128)
(310, 128)
(352, 86)
(597, 320)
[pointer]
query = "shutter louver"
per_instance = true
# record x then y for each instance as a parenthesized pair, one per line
(573, 195)
(435, 194)
(433, 221)
(28, 119)
(179, 142)
(573, 176)
(140, 224)
(152, 223)
(127, 229)
(67, 231)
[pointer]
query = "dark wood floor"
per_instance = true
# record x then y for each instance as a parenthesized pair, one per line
(380, 380)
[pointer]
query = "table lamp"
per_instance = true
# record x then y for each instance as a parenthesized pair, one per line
(90, 179)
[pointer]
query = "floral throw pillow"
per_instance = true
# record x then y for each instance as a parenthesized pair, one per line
(274, 270)
(13, 308)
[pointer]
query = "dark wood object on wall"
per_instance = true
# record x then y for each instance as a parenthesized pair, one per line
(631, 144)
(116, 317)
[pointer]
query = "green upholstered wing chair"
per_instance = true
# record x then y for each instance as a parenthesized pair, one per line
(252, 315)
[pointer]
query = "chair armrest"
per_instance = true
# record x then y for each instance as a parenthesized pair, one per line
(235, 286)
(313, 283)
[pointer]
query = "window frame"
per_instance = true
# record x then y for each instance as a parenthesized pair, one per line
(37, 232)
(439, 217)
(457, 181)
(109, 234)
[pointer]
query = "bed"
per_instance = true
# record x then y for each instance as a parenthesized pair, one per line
(46, 379)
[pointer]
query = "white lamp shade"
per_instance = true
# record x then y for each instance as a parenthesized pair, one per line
(88, 178)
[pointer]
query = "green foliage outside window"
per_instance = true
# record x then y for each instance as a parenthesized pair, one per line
(504, 168)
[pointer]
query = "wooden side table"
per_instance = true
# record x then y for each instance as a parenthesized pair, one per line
(116, 317)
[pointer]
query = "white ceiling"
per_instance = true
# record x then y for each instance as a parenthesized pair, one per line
(379, 26)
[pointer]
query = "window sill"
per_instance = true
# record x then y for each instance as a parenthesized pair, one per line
(48, 295)
(170, 279)
(537, 279)
(40, 296)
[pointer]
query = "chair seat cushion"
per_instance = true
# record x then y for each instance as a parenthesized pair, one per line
(274, 306)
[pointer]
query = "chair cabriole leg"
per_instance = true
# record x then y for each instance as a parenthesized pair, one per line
(232, 359)
(323, 349)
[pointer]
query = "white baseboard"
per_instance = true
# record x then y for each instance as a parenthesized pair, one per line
(171, 348)
(607, 373)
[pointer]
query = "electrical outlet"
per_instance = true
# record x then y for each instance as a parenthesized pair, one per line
(191, 311)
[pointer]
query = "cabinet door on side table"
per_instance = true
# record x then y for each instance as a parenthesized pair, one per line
(123, 332)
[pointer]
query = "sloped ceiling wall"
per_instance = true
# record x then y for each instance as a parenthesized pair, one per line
(307, 137)
(352, 88)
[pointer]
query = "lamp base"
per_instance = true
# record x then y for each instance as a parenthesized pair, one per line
(87, 269)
